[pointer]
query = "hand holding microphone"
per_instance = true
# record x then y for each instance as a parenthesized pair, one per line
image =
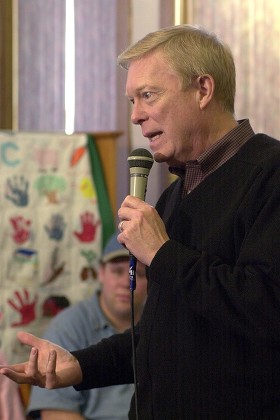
(140, 162)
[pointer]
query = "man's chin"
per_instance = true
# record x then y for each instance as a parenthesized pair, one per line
(159, 157)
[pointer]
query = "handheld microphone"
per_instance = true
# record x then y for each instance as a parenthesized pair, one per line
(140, 162)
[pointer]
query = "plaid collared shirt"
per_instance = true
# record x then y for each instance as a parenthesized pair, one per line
(210, 160)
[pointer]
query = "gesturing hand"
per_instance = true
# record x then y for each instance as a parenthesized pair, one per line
(49, 365)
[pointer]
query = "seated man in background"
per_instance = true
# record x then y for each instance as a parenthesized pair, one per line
(108, 311)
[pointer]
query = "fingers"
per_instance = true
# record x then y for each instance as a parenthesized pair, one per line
(45, 379)
(17, 373)
(130, 206)
(32, 366)
(132, 202)
(29, 339)
(28, 373)
(50, 370)
(33, 376)
(15, 368)
(40, 372)
(19, 378)
(121, 226)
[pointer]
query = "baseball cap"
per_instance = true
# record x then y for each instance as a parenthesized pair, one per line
(113, 249)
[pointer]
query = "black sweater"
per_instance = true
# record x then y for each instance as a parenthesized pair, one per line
(209, 338)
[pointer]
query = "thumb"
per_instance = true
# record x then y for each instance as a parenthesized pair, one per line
(29, 339)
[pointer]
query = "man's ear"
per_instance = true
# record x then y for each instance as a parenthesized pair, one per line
(206, 86)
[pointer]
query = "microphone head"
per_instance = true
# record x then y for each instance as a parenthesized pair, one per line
(141, 158)
(140, 162)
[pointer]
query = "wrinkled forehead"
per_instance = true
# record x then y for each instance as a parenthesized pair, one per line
(148, 71)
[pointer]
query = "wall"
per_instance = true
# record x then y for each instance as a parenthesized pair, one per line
(146, 17)
(6, 64)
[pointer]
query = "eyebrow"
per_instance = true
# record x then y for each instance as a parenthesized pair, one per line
(137, 91)
(140, 89)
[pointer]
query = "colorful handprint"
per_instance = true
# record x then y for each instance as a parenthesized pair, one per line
(26, 308)
(89, 227)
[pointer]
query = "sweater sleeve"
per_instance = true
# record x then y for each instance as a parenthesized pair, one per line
(107, 362)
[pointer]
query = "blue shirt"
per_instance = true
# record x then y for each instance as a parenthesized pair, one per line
(74, 328)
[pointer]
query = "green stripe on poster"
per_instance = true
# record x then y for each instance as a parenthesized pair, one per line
(105, 209)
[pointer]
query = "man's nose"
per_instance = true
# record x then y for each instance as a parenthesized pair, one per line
(124, 279)
(138, 115)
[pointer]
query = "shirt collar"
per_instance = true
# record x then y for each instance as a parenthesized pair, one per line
(222, 150)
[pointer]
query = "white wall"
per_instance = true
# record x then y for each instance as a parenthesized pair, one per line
(145, 19)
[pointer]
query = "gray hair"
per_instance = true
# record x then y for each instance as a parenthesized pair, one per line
(191, 51)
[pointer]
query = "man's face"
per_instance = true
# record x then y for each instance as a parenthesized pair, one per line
(115, 297)
(168, 116)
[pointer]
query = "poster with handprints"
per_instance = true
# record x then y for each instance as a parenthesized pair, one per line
(50, 231)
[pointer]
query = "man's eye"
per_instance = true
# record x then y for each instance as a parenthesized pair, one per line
(147, 95)
(117, 272)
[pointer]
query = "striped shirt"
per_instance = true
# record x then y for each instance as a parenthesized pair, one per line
(210, 160)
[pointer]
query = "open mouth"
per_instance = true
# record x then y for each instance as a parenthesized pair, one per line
(154, 136)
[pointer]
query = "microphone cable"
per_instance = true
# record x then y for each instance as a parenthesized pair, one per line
(132, 286)
(140, 162)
